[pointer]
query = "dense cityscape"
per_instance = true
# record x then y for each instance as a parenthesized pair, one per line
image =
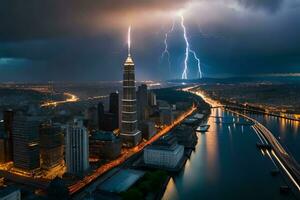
(149, 100)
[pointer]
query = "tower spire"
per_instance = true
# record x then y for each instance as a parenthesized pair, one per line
(129, 40)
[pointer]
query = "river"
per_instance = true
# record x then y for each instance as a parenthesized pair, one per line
(227, 165)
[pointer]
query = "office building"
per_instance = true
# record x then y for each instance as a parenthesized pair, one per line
(114, 108)
(51, 145)
(164, 153)
(142, 102)
(152, 99)
(8, 117)
(148, 129)
(91, 116)
(77, 147)
(3, 139)
(100, 109)
(166, 117)
(105, 145)
(130, 134)
(26, 152)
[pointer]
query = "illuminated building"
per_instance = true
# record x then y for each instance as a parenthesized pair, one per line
(77, 147)
(105, 145)
(26, 154)
(165, 152)
(130, 134)
(51, 145)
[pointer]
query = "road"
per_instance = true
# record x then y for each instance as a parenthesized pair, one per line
(71, 98)
(287, 163)
(126, 154)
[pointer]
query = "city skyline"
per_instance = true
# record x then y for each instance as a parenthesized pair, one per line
(226, 35)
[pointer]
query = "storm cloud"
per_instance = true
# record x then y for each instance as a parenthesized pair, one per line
(84, 39)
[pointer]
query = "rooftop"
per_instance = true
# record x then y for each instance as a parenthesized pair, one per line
(104, 136)
(4, 191)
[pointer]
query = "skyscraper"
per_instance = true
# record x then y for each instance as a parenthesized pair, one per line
(100, 116)
(26, 154)
(114, 108)
(8, 117)
(130, 134)
(142, 101)
(77, 147)
(51, 145)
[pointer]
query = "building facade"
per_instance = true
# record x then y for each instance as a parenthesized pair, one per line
(51, 145)
(8, 117)
(130, 134)
(26, 150)
(114, 108)
(164, 153)
(142, 102)
(105, 145)
(77, 147)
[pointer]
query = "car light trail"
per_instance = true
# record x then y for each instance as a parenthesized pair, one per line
(71, 98)
(127, 153)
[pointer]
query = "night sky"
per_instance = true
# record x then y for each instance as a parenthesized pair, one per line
(72, 40)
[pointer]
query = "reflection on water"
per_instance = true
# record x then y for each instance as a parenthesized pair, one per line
(226, 165)
(286, 131)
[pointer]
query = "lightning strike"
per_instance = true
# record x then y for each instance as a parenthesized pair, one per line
(166, 50)
(129, 40)
(188, 50)
(198, 63)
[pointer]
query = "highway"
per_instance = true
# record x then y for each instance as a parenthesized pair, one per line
(287, 163)
(126, 154)
(71, 98)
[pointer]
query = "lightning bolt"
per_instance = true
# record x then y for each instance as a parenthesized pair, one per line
(166, 50)
(188, 50)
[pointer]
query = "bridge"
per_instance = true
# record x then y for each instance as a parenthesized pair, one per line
(288, 164)
(254, 111)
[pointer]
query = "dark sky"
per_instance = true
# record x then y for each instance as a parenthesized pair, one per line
(85, 40)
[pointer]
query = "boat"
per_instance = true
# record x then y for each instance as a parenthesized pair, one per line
(263, 146)
(202, 128)
(284, 189)
(274, 172)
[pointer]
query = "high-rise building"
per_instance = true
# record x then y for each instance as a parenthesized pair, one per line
(3, 156)
(51, 145)
(26, 152)
(105, 145)
(142, 102)
(92, 118)
(130, 134)
(152, 99)
(77, 147)
(8, 117)
(114, 108)
(100, 109)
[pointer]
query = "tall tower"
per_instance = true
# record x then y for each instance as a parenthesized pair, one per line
(130, 135)
(77, 147)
